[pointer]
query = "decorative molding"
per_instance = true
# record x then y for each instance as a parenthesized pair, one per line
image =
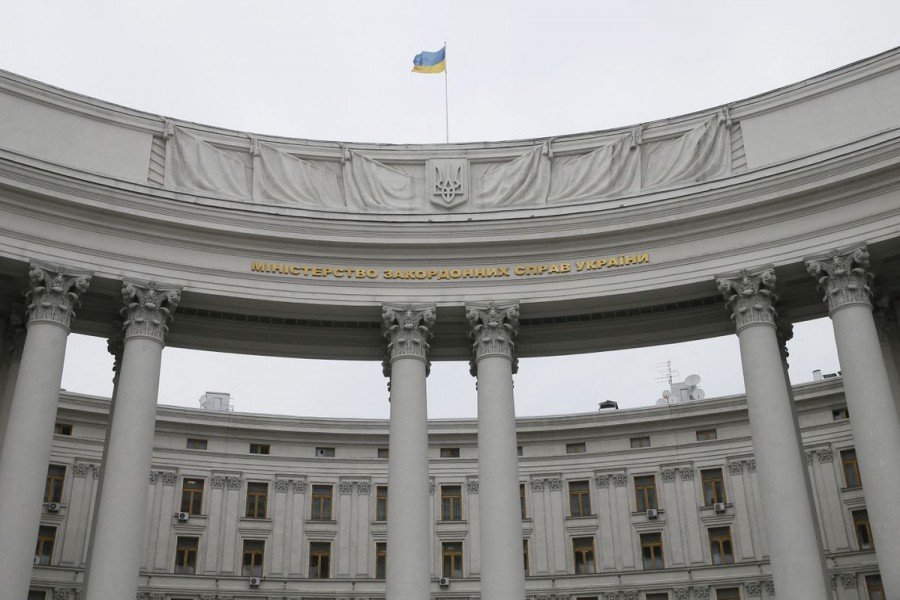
(784, 332)
(750, 295)
(115, 345)
(407, 329)
(848, 580)
(686, 474)
(217, 482)
(299, 486)
(281, 486)
(169, 477)
(701, 592)
(619, 479)
(233, 483)
(345, 487)
(554, 484)
(682, 593)
(751, 465)
(843, 277)
(630, 594)
(825, 455)
(668, 474)
(493, 327)
(431, 486)
(770, 587)
(601, 480)
(54, 293)
(537, 485)
(148, 309)
(82, 470)
(753, 588)
(472, 486)
(363, 487)
(736, 467)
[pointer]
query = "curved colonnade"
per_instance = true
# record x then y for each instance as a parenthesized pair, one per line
(486, 252)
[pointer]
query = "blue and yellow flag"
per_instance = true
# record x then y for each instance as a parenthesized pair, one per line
(430, 62)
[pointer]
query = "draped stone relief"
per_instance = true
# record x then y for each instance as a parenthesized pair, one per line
(195, 165)
(280, 178)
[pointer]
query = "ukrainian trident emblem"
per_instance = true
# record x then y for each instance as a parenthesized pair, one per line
(448, 181)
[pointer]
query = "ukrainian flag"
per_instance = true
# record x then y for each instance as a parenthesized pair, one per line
(430, 62)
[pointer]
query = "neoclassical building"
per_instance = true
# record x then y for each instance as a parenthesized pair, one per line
(150, 231)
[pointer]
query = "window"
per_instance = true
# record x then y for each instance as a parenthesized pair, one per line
(851, 469)
(720, 546)
(36, 595)
(652, 551)
(874, 587)
(657, 596)
(704, 435)
(257, 495)
(321, 503)
(323, 452)
(319, 560)
(522, 501)
(584, 555)
(863, 531)
(840, 414)
(579, 499)
(645, 492)
(56, 476)
(520, 451)
(252, 562)
(728, 594)
(449, 452)
(578, 448)
(525, 556)
(713, 486)
(259, 448)
(381, 502)
(196, 444)
(62, 429)
(380, 560)
(383, 453)
(186, 555)
(451, 503)
(452, 556)
(192, 496)
(43, 552)
(640, 442)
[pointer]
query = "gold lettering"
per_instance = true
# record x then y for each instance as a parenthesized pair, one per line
(643, 258)
(295, 270)
(257, 267)
(467, 273)
(504, 272)
(444, 274)
(553, 269)
(566, 267)
(579, 265)
(421, 274)
(455, 274)
(520, 270)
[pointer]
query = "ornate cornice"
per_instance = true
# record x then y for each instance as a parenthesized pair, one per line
(407, 329)
(54, 292)
(750, 294)
(842, 275)
(493, 327)
(148, 308)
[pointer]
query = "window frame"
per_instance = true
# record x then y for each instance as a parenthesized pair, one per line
(381, 503)
(641, 441)
(707, 435)
(197, 444)
(875, 587)
(257, 493)
(186, 555)
(46, 541)
(257, 556)
(584, 556)
(523, 501)
(449, 452)
(850, 468)
(192, 498)
(718, 539)
(861, 522)
(56, 481)
(62, 429)
(321, 503)
(646, 496)
(576, 448)
(713, 493)
(380, 560)
(652, 543)
(451, 503)
(734, 593)
(319, 560)
(452, 559)
(525, 557)
(580, 498)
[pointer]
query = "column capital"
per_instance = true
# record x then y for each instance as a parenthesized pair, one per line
(407, 329)
(842, 275)
(750, 294)
(148, 308)
(54, 292)
(493, 327)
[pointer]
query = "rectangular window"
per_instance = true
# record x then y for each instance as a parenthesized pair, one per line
(579, 499)
(56, 476)
(257, 496)
(704, 435)
(259, 448)
(192, 496)
(645, 492)
(863, 531)
(525, 556)
(321, 503)
(62, 429)
(577, 448)
(720, 546)
(640, 442)
(36, 595)
(851, 469)
(319, 560)
(252, 561)
(381, 502)
(520, 451)
(451, 503)
(383, 453)
(728, 594)
(874, 587)
(325, 452)
(449, 452)
(196, 444)
(652, 551)
(522, 501)
(43, 552)
(658, 596)
(840, 414)
(186, 555)
(380, 560)
(584, 555)
(713, 486)
(451, 558)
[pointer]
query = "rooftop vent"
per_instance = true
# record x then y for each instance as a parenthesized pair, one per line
(219, 401)
(609, 404)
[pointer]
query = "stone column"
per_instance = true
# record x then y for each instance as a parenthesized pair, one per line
(114, 559)
(407, 331)
(15, 344)
(494, 326)
(843, 277)
(32, 415)
(797, 561)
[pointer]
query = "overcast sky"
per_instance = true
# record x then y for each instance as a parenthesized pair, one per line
(516, 69)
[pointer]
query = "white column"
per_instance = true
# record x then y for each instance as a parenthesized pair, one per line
(32, 414)
(406, 329)
(14, 336)
(797, 561)
(114, 559)
(500, 525)
(843, 277)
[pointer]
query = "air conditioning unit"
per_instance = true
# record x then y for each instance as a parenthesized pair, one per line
(254, 582)
(53, 507)
(719, 507)
(444, 582)
(37, 560)
(652, 513)
(183, 517)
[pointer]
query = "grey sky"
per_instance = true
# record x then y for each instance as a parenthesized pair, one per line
(517, 69)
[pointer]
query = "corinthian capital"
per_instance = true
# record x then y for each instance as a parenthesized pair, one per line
(750, 294)
(407, 331)
(54, 293)
(148, 308)
(842, 276)
(494, 325)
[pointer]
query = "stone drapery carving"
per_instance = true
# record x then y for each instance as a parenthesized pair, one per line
(148, 309)
(407, 330)
(54, 293)
(196, 165)
(843, 277)
(493, 327)
(701, 154)
(524, 181)
(750, 294)
(609, 171)
(281, 178)
(375, 186)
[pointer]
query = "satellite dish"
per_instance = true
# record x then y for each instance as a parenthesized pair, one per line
(699, 394)
(662, 402)
(692, 380)
(666, 394)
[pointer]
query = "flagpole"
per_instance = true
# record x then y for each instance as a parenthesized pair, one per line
(446, 104)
